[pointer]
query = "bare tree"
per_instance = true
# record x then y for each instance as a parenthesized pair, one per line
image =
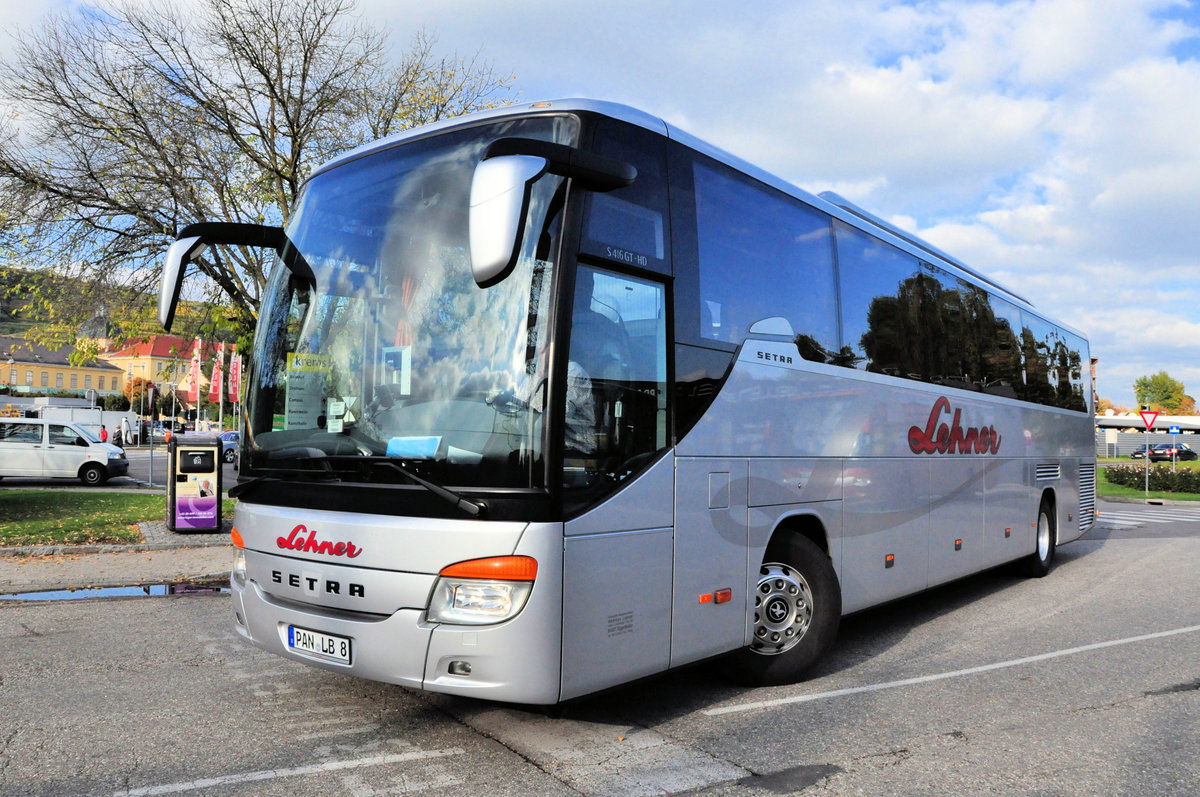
(141, 118)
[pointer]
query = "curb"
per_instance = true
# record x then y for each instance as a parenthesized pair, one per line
(158, 538)
(1121, 499)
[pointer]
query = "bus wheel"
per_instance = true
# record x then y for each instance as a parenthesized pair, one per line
(1038, 563)
(795, 616)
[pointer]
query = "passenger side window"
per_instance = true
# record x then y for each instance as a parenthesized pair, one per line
(763, 254)
(62, 436)
(20, 433)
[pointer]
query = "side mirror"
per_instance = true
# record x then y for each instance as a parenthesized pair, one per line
(195, 238)
(500, 192)
(79, 441)
(182, 252)
(499, 203)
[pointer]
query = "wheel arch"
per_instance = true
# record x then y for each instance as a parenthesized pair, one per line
(805, 524)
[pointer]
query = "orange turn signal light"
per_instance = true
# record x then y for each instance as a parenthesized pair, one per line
(503, 568)
(238, 542)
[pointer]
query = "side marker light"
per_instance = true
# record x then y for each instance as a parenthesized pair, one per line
(889, 560)
(724, 595)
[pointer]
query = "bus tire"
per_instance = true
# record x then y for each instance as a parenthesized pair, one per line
(1038, 563)
(795, 614)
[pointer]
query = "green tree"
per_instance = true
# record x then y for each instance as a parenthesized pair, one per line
(1163, 394)
(136, 119)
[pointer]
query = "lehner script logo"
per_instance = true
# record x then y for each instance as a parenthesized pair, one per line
(952, 438)
(296, 541)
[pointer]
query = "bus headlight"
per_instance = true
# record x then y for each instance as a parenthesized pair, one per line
(482, 591)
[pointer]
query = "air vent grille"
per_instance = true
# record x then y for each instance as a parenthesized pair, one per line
(1087, 495)
(1048, 472)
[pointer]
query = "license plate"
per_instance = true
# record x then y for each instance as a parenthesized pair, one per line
(326, 647)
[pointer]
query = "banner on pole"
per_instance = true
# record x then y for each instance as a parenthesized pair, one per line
(235, 375)
(217, 382)
(194, 374)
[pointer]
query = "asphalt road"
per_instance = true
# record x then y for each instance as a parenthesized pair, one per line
(1085, 682)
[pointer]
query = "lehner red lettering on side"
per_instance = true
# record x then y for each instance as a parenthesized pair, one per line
(296, 541)
(939, 437)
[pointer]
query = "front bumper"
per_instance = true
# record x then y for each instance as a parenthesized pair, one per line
(391, 641)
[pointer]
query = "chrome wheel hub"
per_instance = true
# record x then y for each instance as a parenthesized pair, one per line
(782, 609)
(1043, 537)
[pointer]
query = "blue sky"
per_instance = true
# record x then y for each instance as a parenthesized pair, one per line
(1052, 144)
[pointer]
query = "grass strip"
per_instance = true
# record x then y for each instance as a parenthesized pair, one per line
(1106, 488)
(79, 517)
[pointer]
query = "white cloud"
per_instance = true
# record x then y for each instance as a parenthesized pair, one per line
(1049, 143)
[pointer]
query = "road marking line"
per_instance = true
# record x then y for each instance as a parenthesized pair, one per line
(783, 701)
(275, 774)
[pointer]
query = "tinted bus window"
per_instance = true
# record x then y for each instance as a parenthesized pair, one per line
(629, 225)
(1039, 344)
(763, 254)
(1078, 373)
(1001, 348)
(881, 290)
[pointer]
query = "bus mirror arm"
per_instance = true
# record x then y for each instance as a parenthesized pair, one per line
(195, 238)
(596, 172)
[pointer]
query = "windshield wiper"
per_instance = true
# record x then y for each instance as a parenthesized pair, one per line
(476, 509)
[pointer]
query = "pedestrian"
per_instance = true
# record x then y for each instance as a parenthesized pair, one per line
(117, 438)
(103, 433)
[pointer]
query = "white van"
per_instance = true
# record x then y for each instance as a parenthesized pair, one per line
(46, 448)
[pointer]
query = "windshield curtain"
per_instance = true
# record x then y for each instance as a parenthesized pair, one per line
(396, 355)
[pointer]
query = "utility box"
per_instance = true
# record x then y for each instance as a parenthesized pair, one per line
(194, 483)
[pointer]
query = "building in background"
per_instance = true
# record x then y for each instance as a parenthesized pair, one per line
(30, 368)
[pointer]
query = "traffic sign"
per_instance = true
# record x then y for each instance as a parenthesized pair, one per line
(1173, 429)
(1148, 418)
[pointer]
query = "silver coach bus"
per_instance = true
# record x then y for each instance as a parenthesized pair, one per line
(549, 398)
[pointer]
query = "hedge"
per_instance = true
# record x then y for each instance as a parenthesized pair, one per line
(1162, 478)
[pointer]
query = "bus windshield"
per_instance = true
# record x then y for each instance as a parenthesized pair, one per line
(395, 355)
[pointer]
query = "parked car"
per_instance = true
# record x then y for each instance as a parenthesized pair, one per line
(229, 444)
(1180, 452)
(1140, 452)
(48, 449)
